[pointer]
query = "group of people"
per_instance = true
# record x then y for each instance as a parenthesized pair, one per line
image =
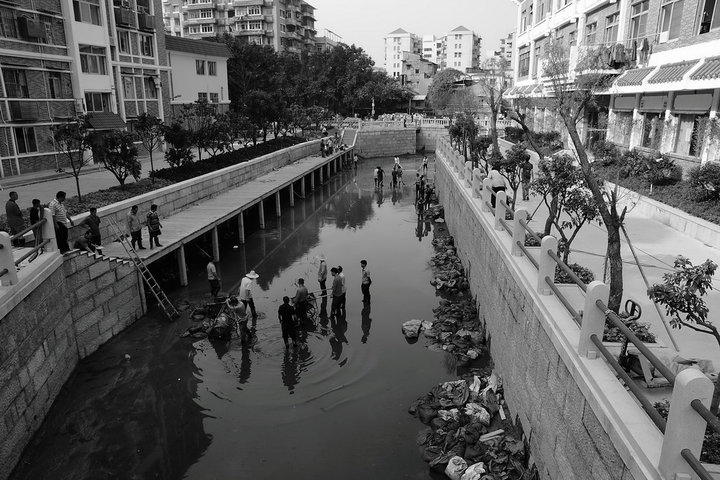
(135, 226)
(330, 145)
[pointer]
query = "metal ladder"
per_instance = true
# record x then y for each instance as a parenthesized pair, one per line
(150, 281)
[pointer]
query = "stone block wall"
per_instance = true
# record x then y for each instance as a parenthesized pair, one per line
(76, 308)
(385, 142)
(428, 136)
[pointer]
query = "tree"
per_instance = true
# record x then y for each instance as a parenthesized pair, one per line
(493, 86)
(149, 129)
(509, 167)
(181, 140)
(198, 118)
(218, 136)
(681, 293)
(463, 130)
(260, 108)
(555, 177)
(441, 89)
(120, 156)
(72, 139)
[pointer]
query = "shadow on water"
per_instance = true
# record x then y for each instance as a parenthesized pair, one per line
(332, 407)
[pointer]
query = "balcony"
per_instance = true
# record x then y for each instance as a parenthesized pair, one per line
(146, 22)
(21, 111)
(124, 16)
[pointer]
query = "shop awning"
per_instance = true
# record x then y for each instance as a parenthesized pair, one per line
(709, 70)
(510, 91)
(633, 77)
(105, 121)
(672, 72)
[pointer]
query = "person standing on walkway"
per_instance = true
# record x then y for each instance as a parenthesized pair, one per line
(287, 324)
(343, 298)
(497, 183)
(60, 221)
(154, 225)
(366, 281)
(36, 213)
(336, 292)
(245, 292)
(322, 147)
(213, 278)
(135, 228)
(526, 174)
(418, 187)
(322, 275)
(15, 220)
(93, 223)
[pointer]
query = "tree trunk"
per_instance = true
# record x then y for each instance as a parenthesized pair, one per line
(493, 126)
(152, 168)
(77, 185)
(551, 216)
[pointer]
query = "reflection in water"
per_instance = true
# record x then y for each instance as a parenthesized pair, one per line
(366, 320)
(289, 372)
(339, 326)
(245, 365)
(379, 196)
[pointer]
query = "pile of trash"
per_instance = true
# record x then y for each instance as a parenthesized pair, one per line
(449, 272)
(468, 435)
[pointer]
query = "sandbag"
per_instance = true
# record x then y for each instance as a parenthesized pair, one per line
(455, 468)
(474, 472)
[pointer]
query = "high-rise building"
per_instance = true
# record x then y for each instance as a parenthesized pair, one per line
(506, 48)
(327, 40)
(432, 48)
(396, 43)
(286, 25)
(462, 49)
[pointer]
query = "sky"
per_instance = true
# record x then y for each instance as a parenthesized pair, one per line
(365, 23)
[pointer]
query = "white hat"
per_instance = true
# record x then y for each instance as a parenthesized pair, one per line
(252, 274)
(322, 257)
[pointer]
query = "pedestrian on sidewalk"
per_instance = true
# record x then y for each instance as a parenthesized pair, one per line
(154, 225)
(93, 223)
(213, 278)
(366, 281)
(287, 324)
(15, 220)
(60, 221)
(36, 213)
(245, 292)
(526, 173)
(135, 228)
(381, 175)
(322, 275)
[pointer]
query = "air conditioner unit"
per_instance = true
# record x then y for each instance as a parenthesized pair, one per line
(30, 28)
(664, 37)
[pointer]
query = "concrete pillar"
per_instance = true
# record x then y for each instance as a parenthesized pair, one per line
(593, 319)
(486, 195)
(518, 231)
(277, 204)
(467, 174)
(7, 261)
(637, 127)
(477, 184)
(320, 172)
(312, 181)
(500, 200)
(182, 266)
(291, 190)
(302, 187)
(241, 228)
(215, 245)
(48, 232)
(261, 210)
(685, 428)
(546, 264)
(292, 219)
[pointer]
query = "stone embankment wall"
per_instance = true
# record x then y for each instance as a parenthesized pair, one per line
(580, 422)
(385, 142)
(77, 304)
(428, 136)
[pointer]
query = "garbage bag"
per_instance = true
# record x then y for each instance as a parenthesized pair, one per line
(426, 413)
(456, 392)
(222, 329)
(424, 437)
(455, 468)
(411, 328)
(474, 472)
(476, 385)
(473, 354)
(448, 415)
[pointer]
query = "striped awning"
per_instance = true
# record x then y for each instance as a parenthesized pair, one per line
(510, 91)
(634, 77)
(709, 70)
(672, 72)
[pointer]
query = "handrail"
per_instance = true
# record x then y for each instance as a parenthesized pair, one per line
(492, 210)
(564, 266)
(33, 250)
(527, 254)
(706, 414)
(616, 321)
(31, 227)
(507, 207)
(563, 300)
(505, 226)
(652, 412)
(695, 464)
(4, 272)
(530, 231)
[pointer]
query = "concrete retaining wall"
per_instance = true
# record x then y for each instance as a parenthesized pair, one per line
(580, 421)
(385, 142)
(80, 302)
(181, 195)
(428, 136)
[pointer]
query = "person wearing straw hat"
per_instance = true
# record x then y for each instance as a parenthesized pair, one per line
(245, 292)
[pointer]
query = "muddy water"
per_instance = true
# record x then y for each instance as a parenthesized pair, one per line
(336, 407)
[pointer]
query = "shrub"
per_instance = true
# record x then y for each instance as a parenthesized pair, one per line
(705, 181)
(585, 274)
(632, 164)
(640, 329)
(605, 152)
(663, 171)
(711, 444)
(530, 241)
(514, 134)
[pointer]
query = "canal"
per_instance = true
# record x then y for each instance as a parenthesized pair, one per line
(152, 405)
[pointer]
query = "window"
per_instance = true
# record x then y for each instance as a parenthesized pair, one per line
(692, 130)
(194, 29)
(254, 26)
(25, 137)
(146, 45)
(8, 26)
(282, 28)
(200, 67)
(541, 10)
(524, 64)
(611, 28)
(129, 87)
(670, 18)
(536, 63)
(212, 68)
(590, 32)
(55, 85)
(97, 101)
(207, 28)
(150, 87)
(16, 83)
(523, 21)
(652, 130)
(563, 3)
(530, 15)
(254, 11)
(709, 17)
(206, 14)
(92, 60)
(124, 41)
(638, 19)
(202, 97)
(87, 11)
(214, 98)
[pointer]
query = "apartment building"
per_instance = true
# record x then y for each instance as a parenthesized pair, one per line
(506, 48)
(286, 25)
(397, 42)
(417, 72)
(664, 54)
(432, 48)
(327, 40)
(61, 58)
(462, 49)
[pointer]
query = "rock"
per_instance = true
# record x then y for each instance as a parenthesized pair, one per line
(427, 325)
(411, 328)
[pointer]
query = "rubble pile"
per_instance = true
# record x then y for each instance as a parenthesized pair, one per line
(468, 436)
(449, 272)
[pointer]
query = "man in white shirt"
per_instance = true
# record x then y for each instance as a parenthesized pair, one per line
(61, 221)
(343, 298)
(366, 281)
(497, 183)
(213, 278)
(245, 292)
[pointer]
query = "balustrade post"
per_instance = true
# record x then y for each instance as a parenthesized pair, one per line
(593, 319)
(685, 428)
(486, 195)
(7, 261)
(546, 264)
(477, 183)
(48, 231)
(518, 231)
(468, 174)
(499, 209)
